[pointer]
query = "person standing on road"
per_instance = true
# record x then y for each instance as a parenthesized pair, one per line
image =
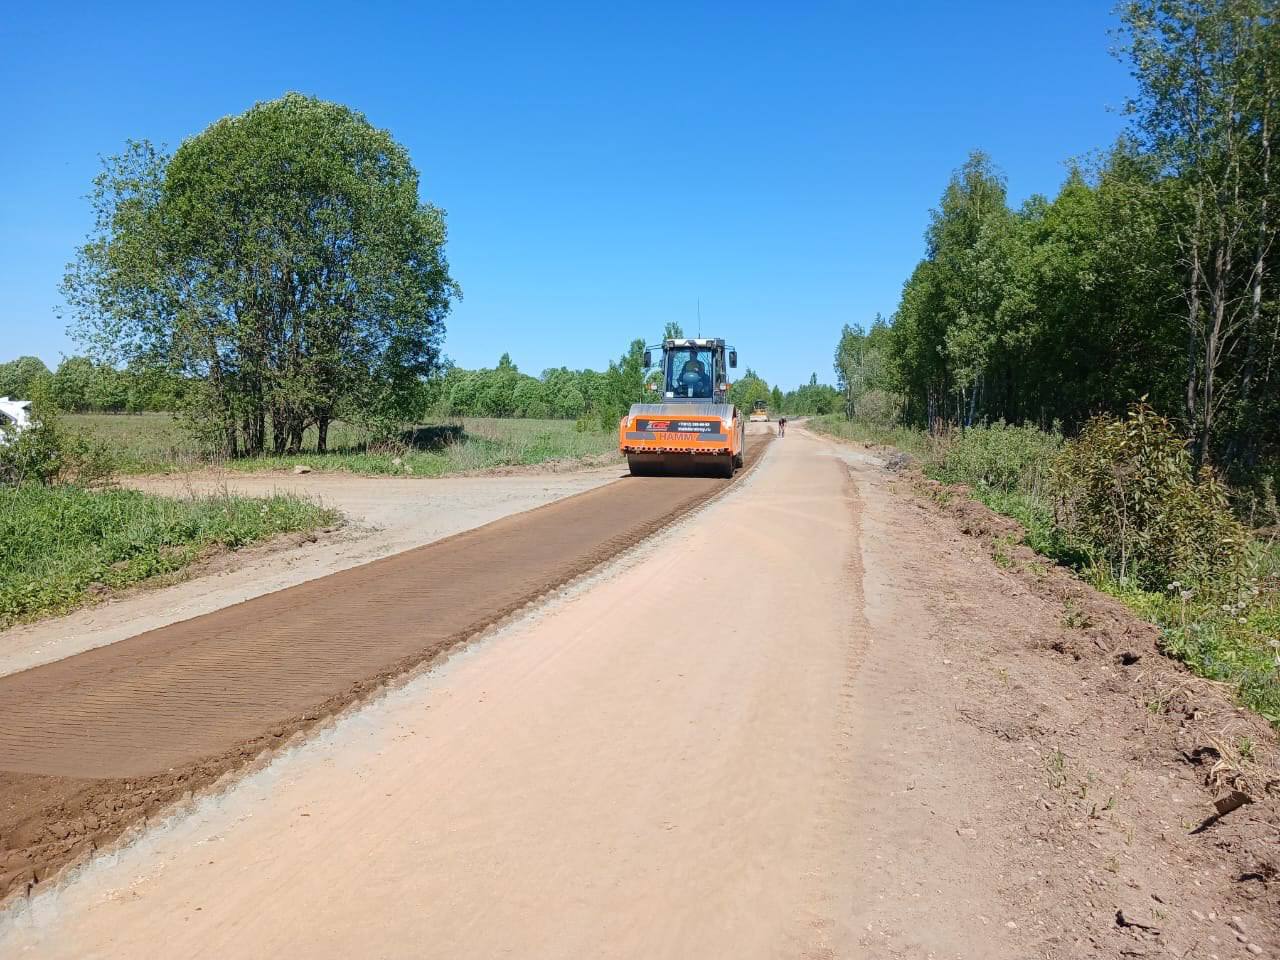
(782, 426)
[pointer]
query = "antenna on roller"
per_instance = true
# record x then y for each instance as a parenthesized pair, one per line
(699, 317)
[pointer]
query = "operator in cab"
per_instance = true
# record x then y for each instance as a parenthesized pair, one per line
(692, 380)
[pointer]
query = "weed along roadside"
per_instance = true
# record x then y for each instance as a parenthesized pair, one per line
(1122, 508)
(67, 537)
(67, 545)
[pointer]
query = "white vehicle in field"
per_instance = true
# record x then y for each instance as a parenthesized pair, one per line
(15, 416)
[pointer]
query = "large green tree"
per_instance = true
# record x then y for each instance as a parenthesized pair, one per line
(951, 330)
(281, 260)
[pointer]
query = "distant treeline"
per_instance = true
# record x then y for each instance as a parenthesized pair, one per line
(80, 385)
(1152, 273)
(599, 396)
(559, 393)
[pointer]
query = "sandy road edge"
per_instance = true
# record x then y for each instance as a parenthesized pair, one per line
(1083, 679)
(256, 756)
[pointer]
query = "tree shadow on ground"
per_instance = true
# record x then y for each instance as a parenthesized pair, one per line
(435, 437)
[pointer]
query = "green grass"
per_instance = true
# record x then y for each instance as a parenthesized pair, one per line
(157, 443)
(1237, 643)
(139, 443)
(1035, 514)
(61, 544)
(996, 457)
(915, 442)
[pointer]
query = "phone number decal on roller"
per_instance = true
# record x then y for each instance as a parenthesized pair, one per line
(678, 426)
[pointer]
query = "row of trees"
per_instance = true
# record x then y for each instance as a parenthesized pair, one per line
(80, 384)
(559, 393)
(1151, 273)
(810, 399)
(599, 396)
(1052, 312)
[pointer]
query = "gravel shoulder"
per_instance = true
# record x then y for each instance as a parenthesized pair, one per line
(384, 516)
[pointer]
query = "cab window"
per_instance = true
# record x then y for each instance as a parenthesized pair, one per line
(691, 373)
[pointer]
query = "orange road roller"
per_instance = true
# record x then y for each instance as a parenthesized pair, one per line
(692, 429)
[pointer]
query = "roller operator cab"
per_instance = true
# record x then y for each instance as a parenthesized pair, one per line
(690, 427)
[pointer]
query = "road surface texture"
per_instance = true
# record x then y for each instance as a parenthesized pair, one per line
(93, 742)
(811, 720)
(385, 515)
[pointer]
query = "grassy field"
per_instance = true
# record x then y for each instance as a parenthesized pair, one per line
(59, 545)
(1236, 641)
(156, 443)
(914, 442)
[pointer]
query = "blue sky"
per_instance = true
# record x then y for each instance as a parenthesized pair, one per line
(603, 167)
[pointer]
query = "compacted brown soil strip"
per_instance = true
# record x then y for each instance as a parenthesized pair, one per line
(91, 743)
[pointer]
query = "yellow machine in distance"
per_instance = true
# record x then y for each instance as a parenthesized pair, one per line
(759, 413)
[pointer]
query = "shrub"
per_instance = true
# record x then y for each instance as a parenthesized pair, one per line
(46, 453)
(1127, 490)
(879, 408)
(999, 456)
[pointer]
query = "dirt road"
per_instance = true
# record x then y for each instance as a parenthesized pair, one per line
(673, 762)
(812, 720)
(93, 742)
